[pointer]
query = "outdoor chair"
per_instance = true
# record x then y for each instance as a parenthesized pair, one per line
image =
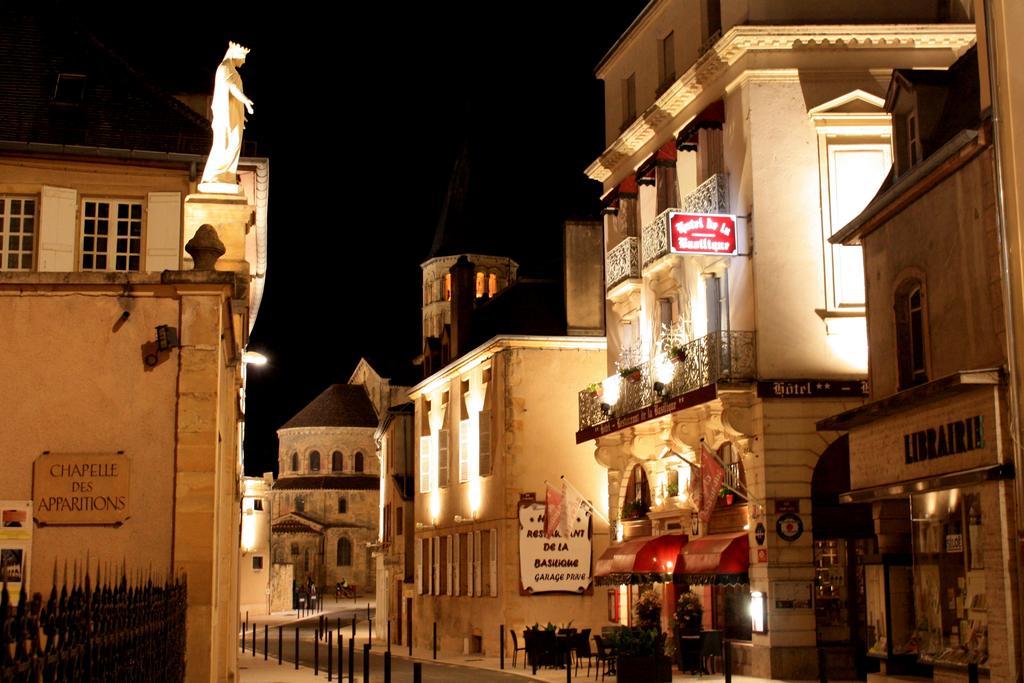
(516, 649)
(582, 649)
(605, 659)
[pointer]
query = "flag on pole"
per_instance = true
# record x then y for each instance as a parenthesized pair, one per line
(712, 474)
(573, 503)
(553, 509)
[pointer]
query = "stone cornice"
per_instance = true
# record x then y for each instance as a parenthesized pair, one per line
(740, 41)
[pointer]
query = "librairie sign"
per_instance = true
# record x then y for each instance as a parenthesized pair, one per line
(81, 488)
(553, 565)
(702, 233)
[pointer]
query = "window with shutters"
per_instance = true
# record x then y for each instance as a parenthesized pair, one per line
(465, 433)
(111, 235)
(911, 333)
(494, 562)
(470, 563)
(418, 563)
(477, 557)
(459, 564)
(485, 562)
(17, 232)
(484, 441)
(435, 566)
(444, 572)
(344, 552)
(425, 462)
(443, 437)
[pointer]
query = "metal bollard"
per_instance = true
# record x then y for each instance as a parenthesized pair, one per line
(351, 659)
(254, 640)
(501, 646)
(330, 655)
(280, 644)
(245, 627)
(266, 641)
(369, 630)
(339, 628)
(568, 666)
(727, 660)
(296, 648)
(353, 626)
(366, 663)
(389, 636)
(822, 666)
(316, 656)
(417, 672)
(972, 672)
(387, 667)
(341, 648)
(408, 629)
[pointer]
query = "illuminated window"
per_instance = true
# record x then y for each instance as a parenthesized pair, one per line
(314, 461)
(480, 284)
(344, 552)
(447, 286)
(358, 464)
(111, 235)
(492, 284)
(911, 340)
(425, 453)
(342, 505)
(337, 461)
(443, 436)
(17, 232)
(465, 432)
(637, 502)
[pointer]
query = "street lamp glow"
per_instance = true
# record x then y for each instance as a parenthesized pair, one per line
(254, 358)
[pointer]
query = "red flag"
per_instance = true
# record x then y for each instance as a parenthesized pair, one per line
(552, 510)
(711, 477)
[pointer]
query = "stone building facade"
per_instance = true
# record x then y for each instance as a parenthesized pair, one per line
(740, 137)
(326, 497)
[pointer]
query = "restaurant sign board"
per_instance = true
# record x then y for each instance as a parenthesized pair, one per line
(81, 488)
(702, 233)
(559, 564)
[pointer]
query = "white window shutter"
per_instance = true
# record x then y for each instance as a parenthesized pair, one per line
(464, 430)
(484, 454)
(435, 560)
(58, 235)
(455, 569)
(163, 231)
(470, 563)
(478, 558)
(494, 562)
(448, 567)
(419, 566)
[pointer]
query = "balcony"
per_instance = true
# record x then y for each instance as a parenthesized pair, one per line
(622, 262)
(711, 196)
(675, 371)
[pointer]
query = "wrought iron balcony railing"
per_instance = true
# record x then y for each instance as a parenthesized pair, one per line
(622, 262)
(717, 357)
(711, 196)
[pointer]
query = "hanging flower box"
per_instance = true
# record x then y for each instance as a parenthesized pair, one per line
(595, 390)
(631, 374)
(677, 353)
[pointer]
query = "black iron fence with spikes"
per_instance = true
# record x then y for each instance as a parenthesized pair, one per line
(112, 628)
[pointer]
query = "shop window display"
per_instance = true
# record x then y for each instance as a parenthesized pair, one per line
(890, 622)
(949, 598)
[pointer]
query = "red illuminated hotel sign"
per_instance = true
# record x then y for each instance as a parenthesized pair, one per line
(702, 233)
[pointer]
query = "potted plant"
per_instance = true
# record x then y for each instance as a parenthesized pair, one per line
(672, 490)
(648, 610)
(640, 656)
(689, 613)
(595, 390)
(634, 510)
(726, 494)
(631, 373)
(677, 353)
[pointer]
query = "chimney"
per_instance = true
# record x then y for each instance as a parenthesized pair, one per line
(463, 294)
(584, 278)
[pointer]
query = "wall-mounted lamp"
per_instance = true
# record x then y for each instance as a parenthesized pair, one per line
(606, 409)
(758, 612)
(166, 337)
(659, 388)
(254, 358)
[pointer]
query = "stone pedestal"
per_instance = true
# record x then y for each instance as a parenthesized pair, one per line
(230, 215)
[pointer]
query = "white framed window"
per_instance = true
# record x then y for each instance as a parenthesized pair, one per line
(855, 173)
(484, 441)
(465, 444)
(111, 235)
(17, 232)
(458, 565)
(426, 447)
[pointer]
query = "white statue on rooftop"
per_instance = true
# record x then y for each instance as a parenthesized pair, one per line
(220, 174)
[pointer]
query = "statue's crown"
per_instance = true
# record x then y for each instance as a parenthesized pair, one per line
(236, 51)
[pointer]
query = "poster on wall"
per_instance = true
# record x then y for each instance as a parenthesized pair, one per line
(15, 544)
(559, 564)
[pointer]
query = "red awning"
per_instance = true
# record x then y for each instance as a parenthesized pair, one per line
(717, 555)
(647, 555)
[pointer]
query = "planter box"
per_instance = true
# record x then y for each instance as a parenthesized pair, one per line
(644, 669)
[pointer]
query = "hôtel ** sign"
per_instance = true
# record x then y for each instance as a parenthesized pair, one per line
(701, 233)
(81, 488)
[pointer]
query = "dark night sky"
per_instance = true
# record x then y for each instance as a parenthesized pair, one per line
(361, 112)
